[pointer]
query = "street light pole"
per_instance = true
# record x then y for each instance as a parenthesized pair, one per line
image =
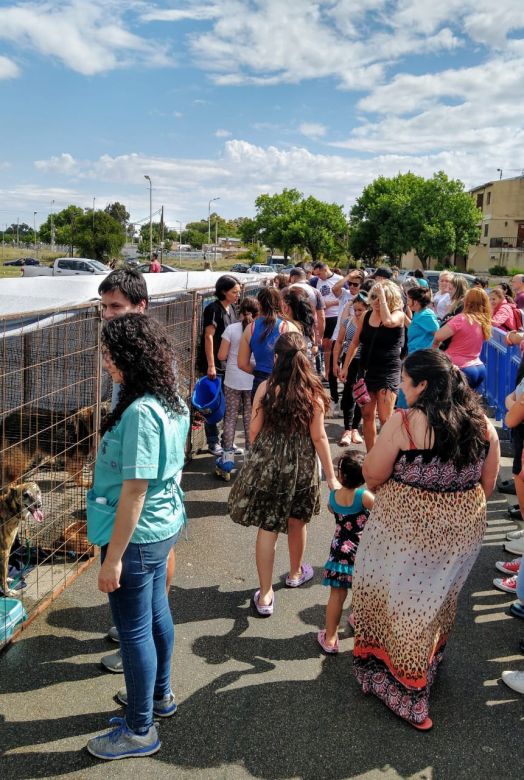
(500, 171)
(52, 226)
(179, 240)
(209, 219)
(150, 216)
(34, 228)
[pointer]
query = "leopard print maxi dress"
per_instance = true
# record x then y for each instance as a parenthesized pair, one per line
(420, 543)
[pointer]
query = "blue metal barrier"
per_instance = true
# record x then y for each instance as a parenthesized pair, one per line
(502, 362)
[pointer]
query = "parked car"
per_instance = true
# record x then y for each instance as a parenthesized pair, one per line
(262, 269)
(68, 266)
(240, 268)
(432, 278)
(23, 261)
(144, 268)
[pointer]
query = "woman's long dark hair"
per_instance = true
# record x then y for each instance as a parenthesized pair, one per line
(293, 388)
(301, 310)
(141, 348)
(270, 308)
(453, 410)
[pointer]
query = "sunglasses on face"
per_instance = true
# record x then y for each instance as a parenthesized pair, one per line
(354, 284)
(373, 297)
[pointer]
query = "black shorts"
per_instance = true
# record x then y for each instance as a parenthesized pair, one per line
(331, 324)
(517, 440)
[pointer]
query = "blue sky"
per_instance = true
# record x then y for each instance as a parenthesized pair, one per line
(232, 98)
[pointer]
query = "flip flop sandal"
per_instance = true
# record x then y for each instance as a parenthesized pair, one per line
(264, 610)
(306, 575)
(426, 724)
(329, 649)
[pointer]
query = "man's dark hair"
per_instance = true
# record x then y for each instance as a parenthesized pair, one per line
(320, 266)
(297, 273)
(129, 282)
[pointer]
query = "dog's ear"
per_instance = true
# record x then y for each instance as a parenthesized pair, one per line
(84, 421)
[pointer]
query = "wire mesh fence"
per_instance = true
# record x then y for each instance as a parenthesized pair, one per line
(52, 396)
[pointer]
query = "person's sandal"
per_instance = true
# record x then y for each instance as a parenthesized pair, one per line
(307, 574)
(264, 610)
(329, 649)
(356, 438)
(345, 439)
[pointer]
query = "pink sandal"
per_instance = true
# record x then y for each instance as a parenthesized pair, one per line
(307, 573)
(329, 649)
(264, 610)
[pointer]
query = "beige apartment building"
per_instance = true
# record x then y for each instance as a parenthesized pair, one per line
(502, 229)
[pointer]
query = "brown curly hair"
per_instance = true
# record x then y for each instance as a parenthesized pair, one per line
(142, 350)
(293, 388)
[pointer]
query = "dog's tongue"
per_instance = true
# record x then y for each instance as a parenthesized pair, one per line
(38, 515)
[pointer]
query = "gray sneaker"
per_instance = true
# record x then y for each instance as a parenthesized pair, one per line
(113, 634)
(121, 742)
(164, 707)
(513, 535)
(113, 662)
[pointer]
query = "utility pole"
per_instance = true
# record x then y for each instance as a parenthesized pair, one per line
(52, 226)
(34, 228)
(209, 219)
(150, 216)
(162, 235)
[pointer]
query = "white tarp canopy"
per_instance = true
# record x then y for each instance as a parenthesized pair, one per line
(39, 293)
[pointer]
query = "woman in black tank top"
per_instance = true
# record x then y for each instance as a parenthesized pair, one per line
(381, 335)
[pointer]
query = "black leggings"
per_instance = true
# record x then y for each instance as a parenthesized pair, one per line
(350, 409)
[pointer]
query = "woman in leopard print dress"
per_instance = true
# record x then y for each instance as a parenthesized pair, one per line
(432, 469)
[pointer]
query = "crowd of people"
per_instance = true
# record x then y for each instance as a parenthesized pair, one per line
(410, 513)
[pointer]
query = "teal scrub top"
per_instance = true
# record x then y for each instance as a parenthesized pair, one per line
(146, 443)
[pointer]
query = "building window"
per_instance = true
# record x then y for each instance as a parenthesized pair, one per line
(480, 200)
(486, 229)
(488, 201)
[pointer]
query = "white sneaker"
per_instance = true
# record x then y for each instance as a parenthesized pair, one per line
(112, 634)
(515, 547)
(514, 680)
(514, 535)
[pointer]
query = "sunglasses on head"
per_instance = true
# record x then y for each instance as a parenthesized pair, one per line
(362, 297)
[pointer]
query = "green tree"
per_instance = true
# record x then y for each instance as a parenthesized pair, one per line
(277, 220)
(65, 224)
(99, 235)
(321, 228)
(118, 211)
(448, 219)
(157, 233)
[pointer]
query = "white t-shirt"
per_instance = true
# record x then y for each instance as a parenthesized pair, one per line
(235, 378)
(441, 302)
(326, 290)
(345, 297)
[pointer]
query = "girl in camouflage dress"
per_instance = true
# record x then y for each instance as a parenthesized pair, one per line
(278, 488)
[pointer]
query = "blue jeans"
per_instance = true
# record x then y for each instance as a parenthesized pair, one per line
(520, 584)
(141, 614)
(475, 375)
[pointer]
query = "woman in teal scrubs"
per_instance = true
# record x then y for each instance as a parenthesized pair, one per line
(135, 513)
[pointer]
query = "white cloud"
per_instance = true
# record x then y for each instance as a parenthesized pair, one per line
(87, 37)
(221, 133)
(312, 130)
(8, 68)
(62, 164)
(195, 12)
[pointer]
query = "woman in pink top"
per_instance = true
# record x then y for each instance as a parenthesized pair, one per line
(502, 315)
(467, 332)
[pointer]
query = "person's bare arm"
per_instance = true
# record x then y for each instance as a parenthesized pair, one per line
(443, 333)
(223, 351)
(337, 346)
(321, 444)
(343, 373)
(321, 323)
(368, 499)
(515, 414)
(379, 462)
(128, 512)
(208, 346)
(257, 413)
(490, 468)
(244, 352)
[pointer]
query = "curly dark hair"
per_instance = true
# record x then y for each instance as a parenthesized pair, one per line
(293, 388)
(454, 414)
(141, 348)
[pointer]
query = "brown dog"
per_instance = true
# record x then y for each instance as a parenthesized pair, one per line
(17, 502)
(32, 437)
